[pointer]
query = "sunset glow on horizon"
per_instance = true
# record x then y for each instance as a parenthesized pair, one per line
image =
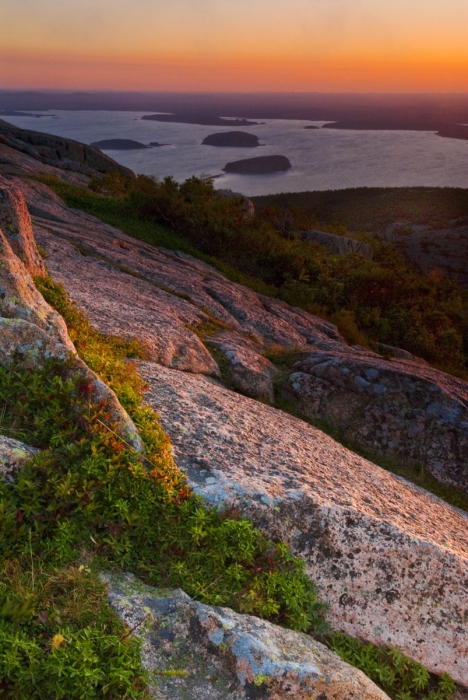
(235, 45)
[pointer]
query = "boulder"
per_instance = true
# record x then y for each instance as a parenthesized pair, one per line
(249, 372)
(338, 245)
(201, 652)
(262, 165)
(15, 222)
(391, 408)
(389, 558)
(13, 454)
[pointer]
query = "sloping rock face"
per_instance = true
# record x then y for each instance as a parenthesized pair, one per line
(390, 559)
(16, 224)
(20, 299)
(221, 655)
(339, 245)
(13, 454)
(165, 299)
(391, 408)
(59, 152)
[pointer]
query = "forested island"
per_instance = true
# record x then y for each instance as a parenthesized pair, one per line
(200, 119)
(236, 139)
(263, 165)
(121, 145)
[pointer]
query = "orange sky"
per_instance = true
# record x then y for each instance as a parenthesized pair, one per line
(316, 45)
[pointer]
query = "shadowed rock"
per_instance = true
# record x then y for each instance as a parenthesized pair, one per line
(226, 656)
(339, 245)
(60, 152)
(250, 373)
(391, 407)
(388, 557)
(263, 165)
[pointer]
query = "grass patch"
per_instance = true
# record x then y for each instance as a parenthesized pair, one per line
(398, 676)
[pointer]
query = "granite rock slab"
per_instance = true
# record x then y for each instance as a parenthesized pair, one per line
(198, 652)
(390, 559)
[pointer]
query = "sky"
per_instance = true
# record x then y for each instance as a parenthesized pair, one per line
(235, 45)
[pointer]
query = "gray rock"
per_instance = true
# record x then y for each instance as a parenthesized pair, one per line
(339, 245)
(251, 373)
(15, 222)
(13, 454)
(389, 558)
(387, 407)
(200, 652)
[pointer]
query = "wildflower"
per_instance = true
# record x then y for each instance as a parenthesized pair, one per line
(57, 641)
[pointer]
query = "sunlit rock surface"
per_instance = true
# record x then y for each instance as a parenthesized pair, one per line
(390, 559)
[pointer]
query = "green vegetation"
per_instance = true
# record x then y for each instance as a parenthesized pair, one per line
(362, 208)
(400, 677)
(87, 497)
(380, 301)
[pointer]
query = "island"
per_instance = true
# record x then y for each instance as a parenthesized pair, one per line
(14, 113)
(454, 131)
(263, 165)
(236, 139)
(119, 145)
(202, 119)
(311, 126)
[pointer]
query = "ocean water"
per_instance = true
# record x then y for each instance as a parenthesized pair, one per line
(321, 159)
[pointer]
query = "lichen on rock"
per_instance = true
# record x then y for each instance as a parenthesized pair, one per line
(199, 652)
(13, 454)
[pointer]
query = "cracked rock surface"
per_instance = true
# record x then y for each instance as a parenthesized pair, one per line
(390, 559)
(199, 652)
(393, 408)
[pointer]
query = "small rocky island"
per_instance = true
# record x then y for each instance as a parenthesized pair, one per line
(263, 165)
(121, 145)
(311, 126)
(236, 139)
